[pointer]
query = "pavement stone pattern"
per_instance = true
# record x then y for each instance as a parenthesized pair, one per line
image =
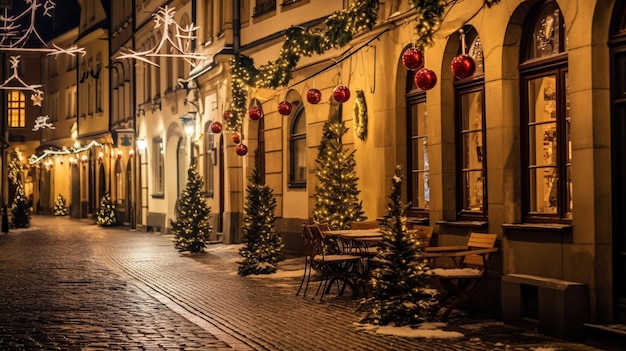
(68, 284)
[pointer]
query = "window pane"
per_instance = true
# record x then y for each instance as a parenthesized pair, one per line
(473, 190)
(299, 153)
(472, 157)
(547, 33)
(418, 166)
(544, 197)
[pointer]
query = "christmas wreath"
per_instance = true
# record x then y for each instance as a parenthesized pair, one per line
(360, 115)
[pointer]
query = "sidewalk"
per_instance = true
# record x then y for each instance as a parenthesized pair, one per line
(263, 312)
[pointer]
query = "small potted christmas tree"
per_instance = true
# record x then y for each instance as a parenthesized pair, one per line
(21, 208)
(263, 245)
(60, 208)
(106, 213)
(400, 292)
(191, 227)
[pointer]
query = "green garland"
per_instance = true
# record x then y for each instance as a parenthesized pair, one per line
(360, 115)
(340, 28)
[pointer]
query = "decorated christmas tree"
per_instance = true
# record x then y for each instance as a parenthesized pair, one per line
(60, 208)
(20, 208)
(263, 245)
(106, 213)
(192, 228)
(337, 192)
(400, 292)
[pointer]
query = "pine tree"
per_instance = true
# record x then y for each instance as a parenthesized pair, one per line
(336, 193)
(60, 208)
(20, 208)
(106, 213)
(263, 245)
(399, 284)
(192, 228)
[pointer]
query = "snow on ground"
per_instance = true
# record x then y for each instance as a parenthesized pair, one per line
(424, 330)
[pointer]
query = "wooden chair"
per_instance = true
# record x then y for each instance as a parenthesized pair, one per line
(335, 268)
(422, 233)
(469, 270)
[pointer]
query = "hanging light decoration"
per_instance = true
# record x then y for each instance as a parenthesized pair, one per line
(284, 108)
(255, 113)
(236, 138)
(313, 96)
(216, 127)
(425, 79)
(412, 58)
(463, 65)
(241, 150)
(341, 93)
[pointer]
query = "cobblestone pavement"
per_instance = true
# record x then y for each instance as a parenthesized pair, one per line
(70, 285)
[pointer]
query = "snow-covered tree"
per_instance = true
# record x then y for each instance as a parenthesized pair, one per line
(263, 245)
(106, 213)
(20, 208)
(399, 284)
(60, 207)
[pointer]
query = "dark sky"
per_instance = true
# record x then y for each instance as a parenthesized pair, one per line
(65, 16)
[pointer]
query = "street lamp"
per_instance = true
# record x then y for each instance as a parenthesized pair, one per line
(189, 123)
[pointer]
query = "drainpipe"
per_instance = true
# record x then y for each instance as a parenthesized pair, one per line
(236, 26)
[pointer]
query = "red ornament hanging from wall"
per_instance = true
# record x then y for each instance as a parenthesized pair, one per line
(216, 127)
(241, 150)
(425, 79)
(463, 66)
(228, 114)
(284, 108)
(341, 93)
(313, 96)
(412, 58)
(236, 138)
(255, 113)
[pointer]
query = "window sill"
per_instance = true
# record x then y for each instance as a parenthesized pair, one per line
(552, 227)
(470, 224)
(158, 196)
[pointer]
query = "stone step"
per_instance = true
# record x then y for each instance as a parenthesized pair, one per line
(610, 337)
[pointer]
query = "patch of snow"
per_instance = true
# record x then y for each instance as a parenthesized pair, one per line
(455, 272)
(280, 274)
(425, 330)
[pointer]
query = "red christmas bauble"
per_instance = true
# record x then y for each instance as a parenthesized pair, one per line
(241, 150)
(216, 127)
(228, 114)
(284, 108)
(236, 138)
(313, 96)
(255, 113)
(463, 66)
(341, 93)
(425, 79)
(412, 58)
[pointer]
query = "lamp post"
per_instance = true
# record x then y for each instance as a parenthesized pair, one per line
(189, 123)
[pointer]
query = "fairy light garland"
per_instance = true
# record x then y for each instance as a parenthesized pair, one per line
(340, 28)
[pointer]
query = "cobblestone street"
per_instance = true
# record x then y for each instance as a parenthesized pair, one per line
(71, 285)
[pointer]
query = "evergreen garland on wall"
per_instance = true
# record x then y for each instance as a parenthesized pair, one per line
(338, 30)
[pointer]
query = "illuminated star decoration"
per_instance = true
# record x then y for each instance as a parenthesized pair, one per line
(14, 36)
(37, 95)
(42, 122)
(34, 159)
(177, 46)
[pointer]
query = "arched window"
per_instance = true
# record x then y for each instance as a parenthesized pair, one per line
(297, 149)
(17, 109)
(545, 119)
(470, 136)
(418, 188)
